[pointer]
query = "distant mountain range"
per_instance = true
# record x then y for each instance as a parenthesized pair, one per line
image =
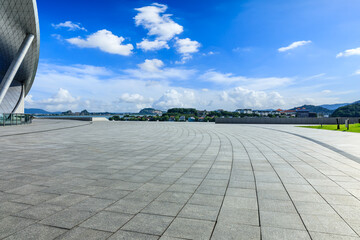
(314, 109)
(327, 109)
(336, 106)
(38, 111)
(351, 110)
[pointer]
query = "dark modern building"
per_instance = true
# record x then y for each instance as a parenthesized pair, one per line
(19, 52)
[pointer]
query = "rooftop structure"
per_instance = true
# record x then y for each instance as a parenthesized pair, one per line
(19, 52)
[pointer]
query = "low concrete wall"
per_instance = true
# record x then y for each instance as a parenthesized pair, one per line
(285, 120)
(88, 119)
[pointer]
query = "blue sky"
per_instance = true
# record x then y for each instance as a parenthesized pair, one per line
(126, 55)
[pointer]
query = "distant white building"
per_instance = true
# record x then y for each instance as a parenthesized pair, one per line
(244, 111)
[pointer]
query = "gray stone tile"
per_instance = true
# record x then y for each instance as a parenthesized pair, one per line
(240, 202)
(37, 232)
(175, 197)
(148, 224)
(315, 208)
(84, 233)
(241, 192)
(199, 212)
(271, 233)
(326, 236)
(35, 198)
(186, 188)
(212, 190)
(39, 212)
(125, 235)
(270, 205)
(273, 194)
(327, 224)
(163, 208)
(127, 206)
(233, 231)
(92, 204)
(26, 189)
(306, 197)
(67, 199)
(10, 225)
(240, 216)
(281, 220)
(11, 207)
(68, 218)
(189, 228)
(107, 221)
(206, 200)
(112, 194)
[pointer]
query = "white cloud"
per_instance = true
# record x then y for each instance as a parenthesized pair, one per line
(69, 25)
(156, 22)
(136, 99)
(252, 83)
(173, 98)
(326, 91)
(357, 72)
(293, 45)
(186, 47)
(147, 45)
(106, 41)
(245, 98)
(132, 98)
(349, 52)
(99, 89)
(152, 65)
(58, 102)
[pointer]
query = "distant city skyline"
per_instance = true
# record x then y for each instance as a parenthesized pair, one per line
(122, 56)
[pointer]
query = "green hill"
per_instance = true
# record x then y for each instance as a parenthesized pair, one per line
(315, 109)
(352, 110)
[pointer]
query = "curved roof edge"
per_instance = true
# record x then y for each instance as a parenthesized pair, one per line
(29, 82)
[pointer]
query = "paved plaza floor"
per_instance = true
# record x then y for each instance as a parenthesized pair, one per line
(146, 180)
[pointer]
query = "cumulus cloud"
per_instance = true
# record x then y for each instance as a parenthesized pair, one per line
(98, 89)
(357, 72)
(147, 45)
(104, 40)
(156, 22)
(186, 47)
(173, 98)
(294, 45)
(246, 98)
(349, 52)
(71, 26)
(138, 100)
(58, 102)
(152, 65)
(252, 83)
(326, 91)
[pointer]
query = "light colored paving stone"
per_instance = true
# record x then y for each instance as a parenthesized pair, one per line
(10, 225)
(37, 232)
(92, 178)
(233, 231)
(281, 220)
(327, 224)
(271, 233)
(67, 218)
(148, 224)
(125, 235)
(190, 229)
(84, 233)
(199, 212)
(107, 221)
(163, 208)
